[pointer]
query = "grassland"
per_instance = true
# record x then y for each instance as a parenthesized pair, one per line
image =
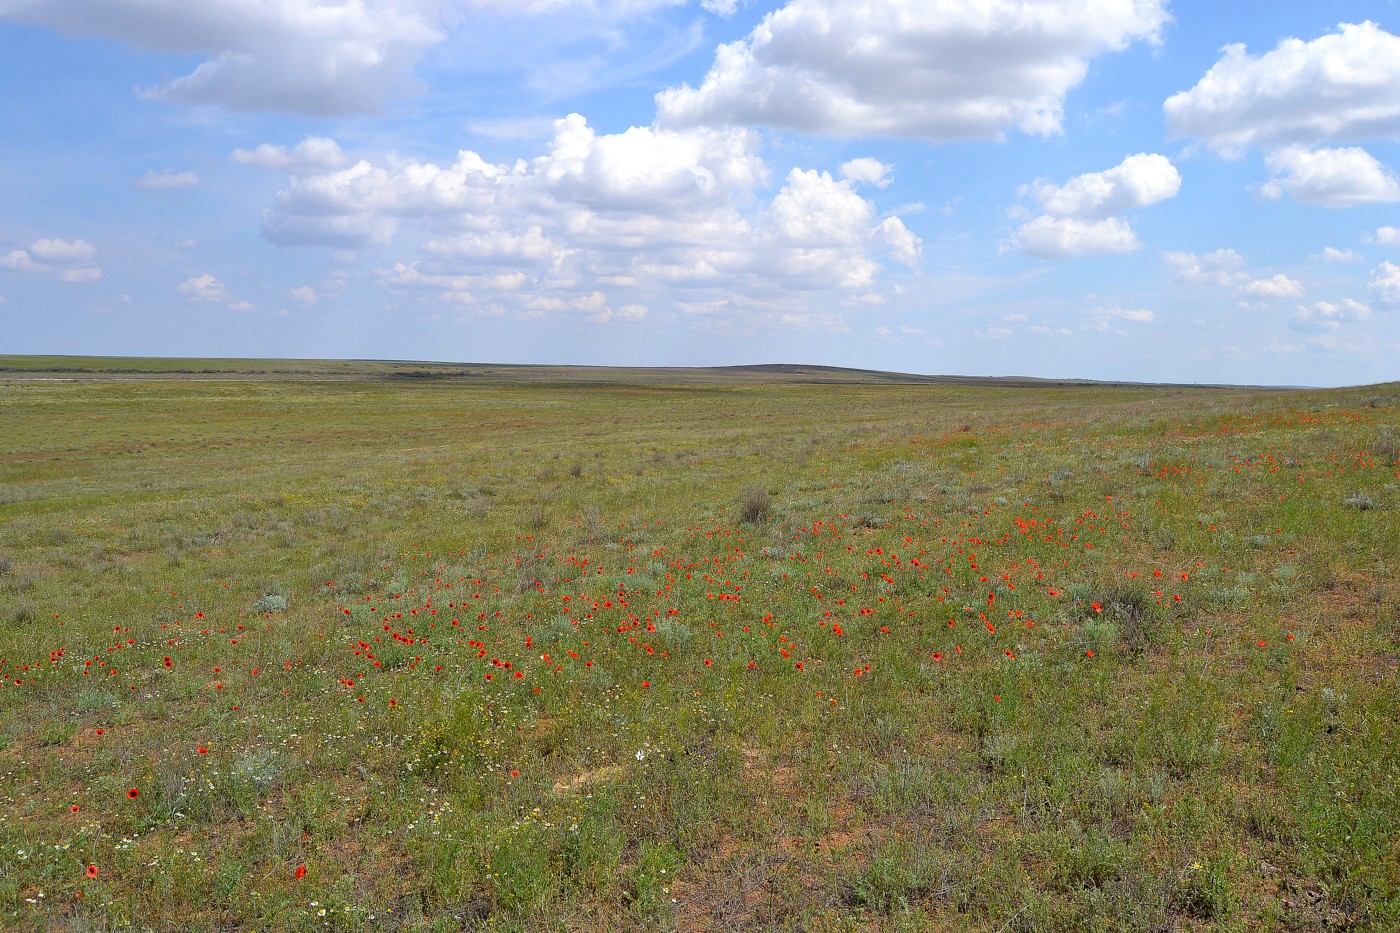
(340, 647)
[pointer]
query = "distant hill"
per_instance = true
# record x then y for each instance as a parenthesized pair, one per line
(88, 367)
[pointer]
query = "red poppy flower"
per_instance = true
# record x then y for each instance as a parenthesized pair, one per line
(74, 809)
(300, 872)
(91, 871)
(133, 793)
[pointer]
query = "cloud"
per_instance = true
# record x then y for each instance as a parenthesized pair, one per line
(868, 171)
(1222, 267)
(1385, 236)
(65, 260)
(624, 313)
(1325, 316)
(994, 332)
(635, 211)
(1385, 284)
(1341, 87)
(1103, 319)
(62, 252)
(1278, 286)
(1225, 268)
(1332, 254)
(1137, 181)
(720, 7)
(304, 56)
(1078, 218)
(952, 70)
(312, 154)
(1048, 237)
(203, 288)
(305, 294)
(167, 180)
(1329, 177)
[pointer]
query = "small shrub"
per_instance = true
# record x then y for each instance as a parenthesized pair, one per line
(1361, 502)
(270, 603)
(755, 505)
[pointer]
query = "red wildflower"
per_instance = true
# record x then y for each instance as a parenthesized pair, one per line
(133, 793)
(300, 872)
(91, 871)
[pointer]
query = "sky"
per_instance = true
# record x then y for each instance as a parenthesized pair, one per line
(1144, 190)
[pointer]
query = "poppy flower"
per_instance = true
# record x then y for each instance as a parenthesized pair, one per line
(300, 872)
(91, 871)
(133, 793)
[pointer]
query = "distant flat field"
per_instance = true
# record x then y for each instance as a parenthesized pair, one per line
(308, 645)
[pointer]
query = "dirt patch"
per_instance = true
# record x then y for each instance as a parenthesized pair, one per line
(604, 775)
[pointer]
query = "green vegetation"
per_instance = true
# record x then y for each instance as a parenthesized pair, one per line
(565, 650)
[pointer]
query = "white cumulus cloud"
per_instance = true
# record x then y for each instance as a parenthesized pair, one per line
(1385, 284)
(1104, 319)
(1340, 87)
(1276, 286)
(1332, 254)
(1386, 236)
(66, 260)
(942, 71)
(1079, 215)
(1225, 268)
(1329, 177)
(1222, 267)
(868, 171)
(306, 56)
(312, 154)
(1137, 181)
(643, 209)
(203, 288)
(1326, 316)
(62, 252)
(1048, 237)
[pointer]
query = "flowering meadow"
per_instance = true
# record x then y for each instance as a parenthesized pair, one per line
(371, 649)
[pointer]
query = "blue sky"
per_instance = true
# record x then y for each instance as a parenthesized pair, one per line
(1116, 189)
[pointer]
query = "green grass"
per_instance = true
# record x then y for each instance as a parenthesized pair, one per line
(741, 704)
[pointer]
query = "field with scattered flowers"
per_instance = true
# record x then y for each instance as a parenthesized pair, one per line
(347, 648)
